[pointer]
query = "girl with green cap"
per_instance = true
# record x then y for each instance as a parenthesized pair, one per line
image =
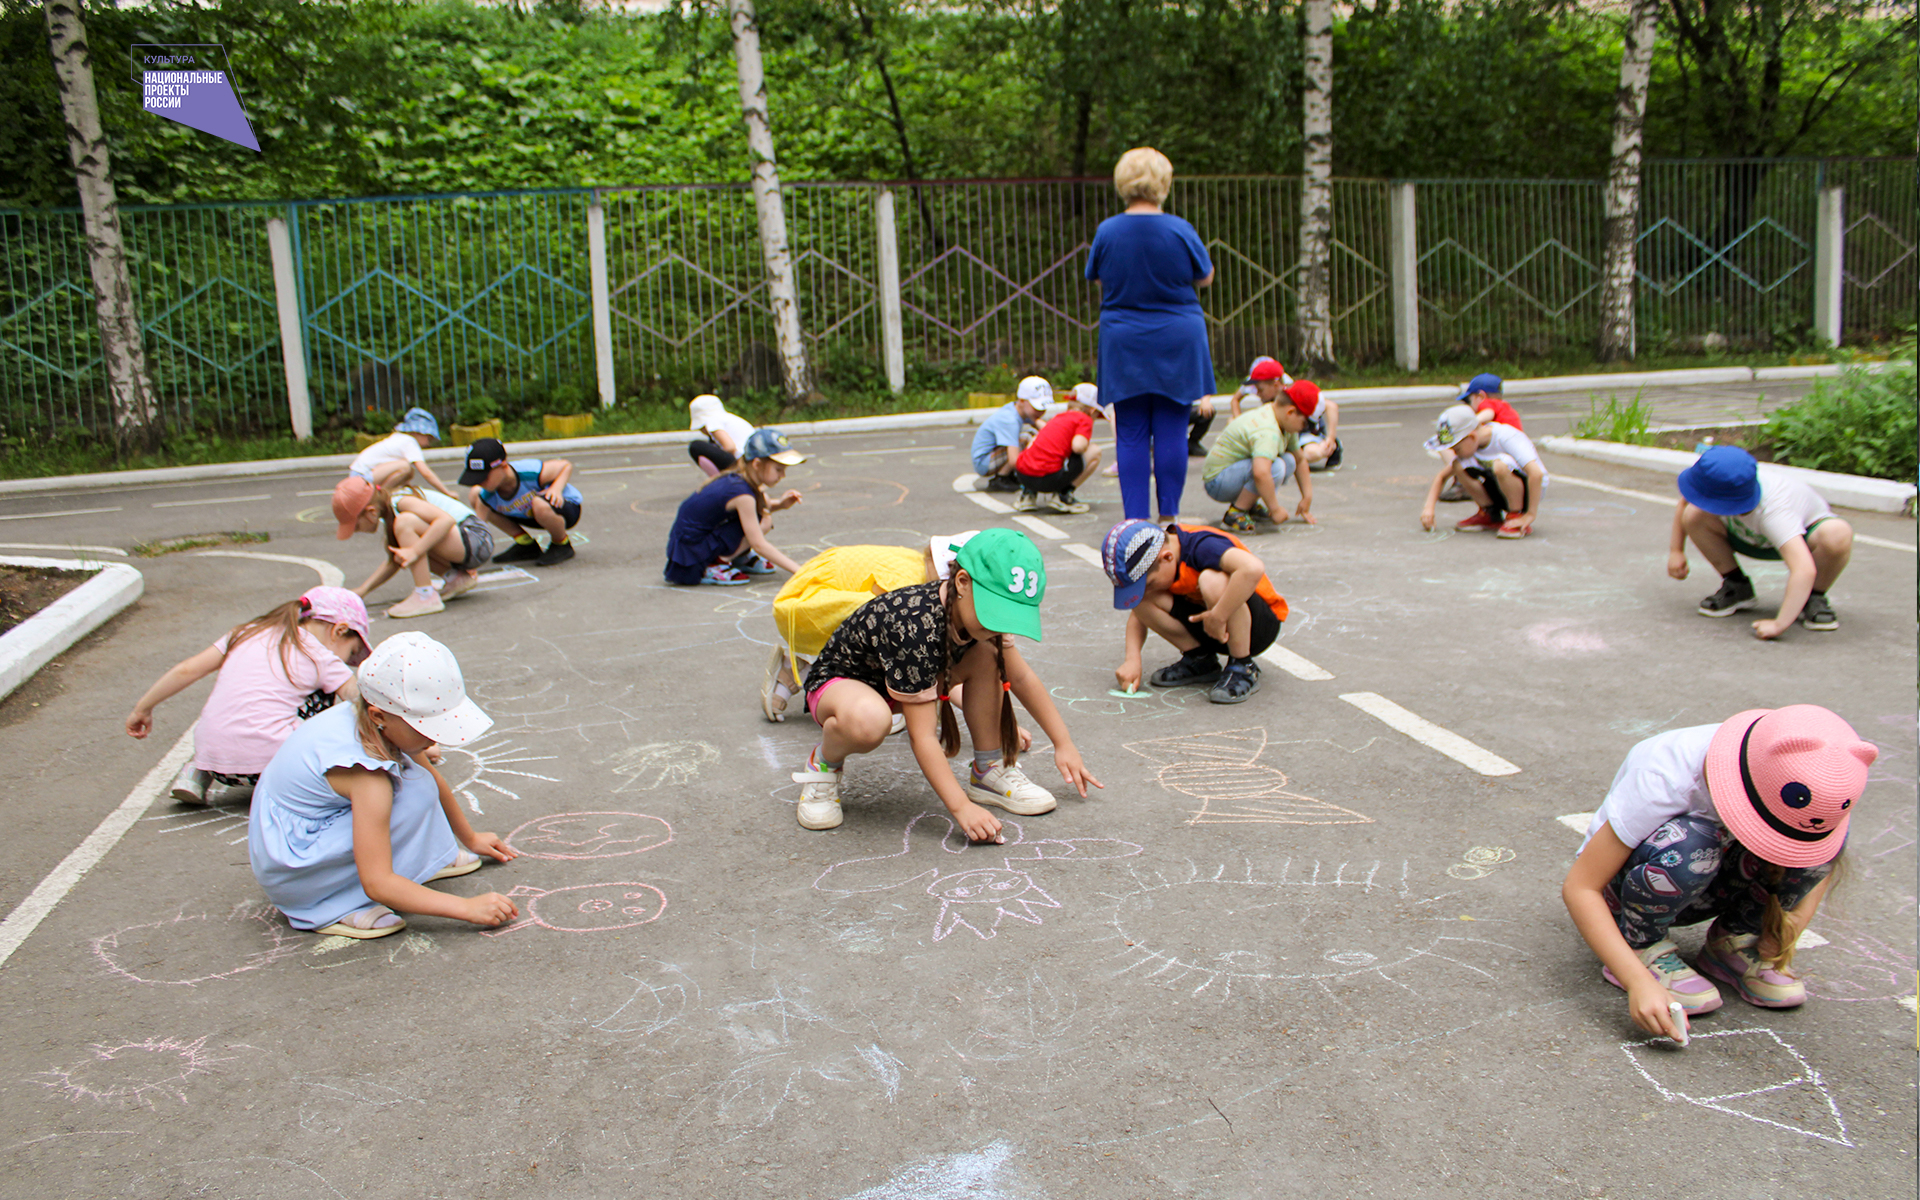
(908, 651)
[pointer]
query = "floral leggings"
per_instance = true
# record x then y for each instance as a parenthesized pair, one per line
(1692, 870)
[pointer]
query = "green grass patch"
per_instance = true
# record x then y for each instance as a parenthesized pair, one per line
(1617, 422)
(1859, 423)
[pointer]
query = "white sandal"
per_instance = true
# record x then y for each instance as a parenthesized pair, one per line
(465, 862)
(367, 923)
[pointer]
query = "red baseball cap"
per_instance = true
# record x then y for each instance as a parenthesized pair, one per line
(1266, 369)
(1305, 394)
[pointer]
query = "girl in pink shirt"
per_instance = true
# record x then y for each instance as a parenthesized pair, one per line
(272, 672)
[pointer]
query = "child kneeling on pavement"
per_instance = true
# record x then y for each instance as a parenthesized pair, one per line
(1061, 456)
(1204, 592)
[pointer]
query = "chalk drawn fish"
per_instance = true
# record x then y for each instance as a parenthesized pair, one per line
(1220, 770)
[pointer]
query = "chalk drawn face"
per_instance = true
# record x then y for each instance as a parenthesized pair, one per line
(133, 1074)
(989, 885)
(596, 907)
(1316, 925)
(590, 835)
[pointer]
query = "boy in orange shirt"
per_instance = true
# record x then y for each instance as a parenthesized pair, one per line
(1204, 592)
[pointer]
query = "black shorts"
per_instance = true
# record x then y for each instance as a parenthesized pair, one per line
(1059, 481)
(712, 451)
(1496, 499)
(1266, 626)
(569, 513)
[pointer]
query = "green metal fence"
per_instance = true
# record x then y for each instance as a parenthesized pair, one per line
(468, 303)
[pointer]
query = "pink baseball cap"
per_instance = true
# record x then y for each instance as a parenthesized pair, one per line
(1305, 394)
(338, 606)
(350, 497)
(1784, 780)
(418, 680)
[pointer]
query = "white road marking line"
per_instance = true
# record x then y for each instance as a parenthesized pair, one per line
(1043, 528)
(889, 450)
(1578, 822)
(1421, 730)
(1373, 425)
(1649, 497)
(1085, 553)
(70, 512)
(330, 575)
(23, 920)
(647, 467)
(321, 492)
(218, 500)
(65, 546)
(964, 485)
(1293, 664)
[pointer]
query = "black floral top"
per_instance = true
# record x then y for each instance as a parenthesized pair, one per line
(893, 643)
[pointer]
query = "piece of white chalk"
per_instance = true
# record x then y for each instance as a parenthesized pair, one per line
(1679, 1015)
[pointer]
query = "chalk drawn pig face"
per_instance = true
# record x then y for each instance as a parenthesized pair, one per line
(587, 907)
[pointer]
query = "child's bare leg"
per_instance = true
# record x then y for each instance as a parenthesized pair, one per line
(958, 692)
(503, 523)
(393, 475)
(1512, 488)
(408, 530)
(1832, 546)
(854, 719)
(1092, 460)
(549, 520)
(1213, 584)
(1709, 534)
(979, 674)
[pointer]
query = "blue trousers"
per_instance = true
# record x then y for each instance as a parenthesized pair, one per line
(1692, 870)
(1150, 438)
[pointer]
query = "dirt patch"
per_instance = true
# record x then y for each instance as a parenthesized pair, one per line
(1751, 438)
(24, 591)
(195, 541)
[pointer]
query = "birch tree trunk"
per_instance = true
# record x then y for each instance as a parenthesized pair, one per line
(1316, 193)
(1623, 185)
(135, 414)
(766, 202)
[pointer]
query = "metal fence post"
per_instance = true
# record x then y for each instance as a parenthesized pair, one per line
(602, 301)
(887, 244)
(293, 349)
(1829, 258)
(1404, 262)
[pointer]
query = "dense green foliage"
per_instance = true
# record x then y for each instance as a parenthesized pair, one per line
(1862, 423)
(364, 97)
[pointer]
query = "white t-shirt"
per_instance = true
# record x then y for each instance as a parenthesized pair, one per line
(1787, 508)
(738, 428)
(1509, 443)
(1663, 777)
(400, 447)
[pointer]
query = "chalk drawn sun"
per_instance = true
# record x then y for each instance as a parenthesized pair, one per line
(133, 1074)
(493, 766)
(1317, 925)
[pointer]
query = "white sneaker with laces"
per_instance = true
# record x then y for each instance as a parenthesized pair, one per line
(819, 806)
(1009, 788)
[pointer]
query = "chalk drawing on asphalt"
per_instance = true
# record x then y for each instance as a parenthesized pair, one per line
(1748, 1073)
(586, 907)
(491, 766)
(1221, 771)
(1478, 862)
(975, 886)
(1220, 931)
(193, 948)
(984, 1174)
(659, 764)
(586, 835)
(134, 1074)
(645, 999)
(330, 1103)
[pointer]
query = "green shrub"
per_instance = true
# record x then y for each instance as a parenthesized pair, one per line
(1860, 423)
(1617, 422)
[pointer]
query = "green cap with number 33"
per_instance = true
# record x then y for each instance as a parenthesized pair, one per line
(1009, 580)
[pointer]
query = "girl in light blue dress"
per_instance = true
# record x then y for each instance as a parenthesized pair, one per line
(351, 818)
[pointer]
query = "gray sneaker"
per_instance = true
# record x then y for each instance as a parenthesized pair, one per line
(1818, 614)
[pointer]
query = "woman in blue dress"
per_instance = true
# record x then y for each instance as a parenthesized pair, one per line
(1153, 356)
(350, 819)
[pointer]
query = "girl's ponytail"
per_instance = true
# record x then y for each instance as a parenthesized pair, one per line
(384, 499)
(1774, 926)
(949, 726)
(284, 622)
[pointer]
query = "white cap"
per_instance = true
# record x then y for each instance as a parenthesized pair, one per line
(706, 411)
(1035, 390)
(1452, 428)
(416, 679)
(1087, 394)
(945, 548)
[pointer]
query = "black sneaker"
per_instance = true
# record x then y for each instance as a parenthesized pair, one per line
(519, 552)
(1236, 683)
(1192, 670)
(1196, 450)
(1002, 483)
(556, 554)
(1736, 593)
(1818, 614)
(1339, 452)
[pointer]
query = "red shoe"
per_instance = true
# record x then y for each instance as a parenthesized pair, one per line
(1484, 519)
(1514, 529)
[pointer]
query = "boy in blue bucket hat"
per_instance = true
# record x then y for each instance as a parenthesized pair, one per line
(1728, 509)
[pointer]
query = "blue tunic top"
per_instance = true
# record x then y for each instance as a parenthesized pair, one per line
(1153, 337)
(300, 834)
(705, 528)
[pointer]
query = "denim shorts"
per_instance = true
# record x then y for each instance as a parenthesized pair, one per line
(1237, 477)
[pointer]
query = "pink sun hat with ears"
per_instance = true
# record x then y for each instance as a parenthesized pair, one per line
(1784, 781)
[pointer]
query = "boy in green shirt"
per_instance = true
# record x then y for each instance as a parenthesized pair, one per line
(1257, 452)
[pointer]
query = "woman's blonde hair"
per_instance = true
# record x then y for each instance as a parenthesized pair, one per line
(1143, 173)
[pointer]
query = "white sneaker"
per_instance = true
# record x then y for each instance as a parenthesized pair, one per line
(417, 605)
(897, 725)
(819, 806)
(1009, 788)
(190, 786)
(1026, 502)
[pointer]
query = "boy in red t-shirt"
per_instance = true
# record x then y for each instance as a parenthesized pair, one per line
(1060, 458)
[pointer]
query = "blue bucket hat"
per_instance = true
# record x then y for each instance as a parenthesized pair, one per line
(1127, 556)
(1724, 481)
(419, 420)
(768, 442)
(1489, 384)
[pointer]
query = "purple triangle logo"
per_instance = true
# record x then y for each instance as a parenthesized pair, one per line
(189, 86)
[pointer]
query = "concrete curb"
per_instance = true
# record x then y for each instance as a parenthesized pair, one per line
(1846, 491)
(36, 641)
(1361, 397)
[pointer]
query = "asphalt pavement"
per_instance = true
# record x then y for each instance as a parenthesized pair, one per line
(1311, 944)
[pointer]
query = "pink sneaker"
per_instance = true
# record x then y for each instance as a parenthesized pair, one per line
(1734, 959)
(1683, 983)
